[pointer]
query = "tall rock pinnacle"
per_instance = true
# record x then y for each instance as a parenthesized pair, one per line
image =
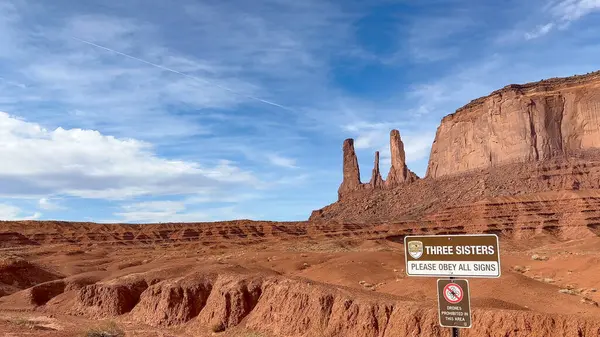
(376, 180)
(399, 173)
(351, 171)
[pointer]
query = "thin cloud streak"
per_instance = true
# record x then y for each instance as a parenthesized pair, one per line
(184, 74)
(564, 12)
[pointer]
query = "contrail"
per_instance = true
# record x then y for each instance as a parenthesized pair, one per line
(183, 74)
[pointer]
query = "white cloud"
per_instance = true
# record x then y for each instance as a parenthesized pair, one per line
(362, 125)
(292, 180)
(110, 91)
(9, 212)
(287, 42)
(571, 10)
(104, 29)
(49, 205)
(85, 163)
(376, 137)
(564, 12)
(186, 209)
(270, 49)
(369, 135)
(173, 211)
(164, 206)
(418, 146)
(281, 161)
(367, 139)
(217, 196)
(433, 38)
(11, 83)
(445, 94)
(539, 31)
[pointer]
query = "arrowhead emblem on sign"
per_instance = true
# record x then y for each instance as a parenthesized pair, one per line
(415, 249)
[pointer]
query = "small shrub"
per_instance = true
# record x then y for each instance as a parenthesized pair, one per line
(589, 301)
(520, 269)
(107, 330)
(537, 257)
(568, 291)
(218, 327)
(20, 321)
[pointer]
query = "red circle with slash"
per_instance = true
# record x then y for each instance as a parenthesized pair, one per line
(453, 293)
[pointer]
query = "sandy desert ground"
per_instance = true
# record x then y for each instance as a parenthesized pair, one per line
(280, 279)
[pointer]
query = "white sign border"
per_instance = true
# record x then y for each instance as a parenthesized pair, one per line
(438, 300)
(454, 275)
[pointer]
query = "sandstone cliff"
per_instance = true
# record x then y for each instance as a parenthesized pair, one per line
(520, 123)
(519, 140)
(398, 175)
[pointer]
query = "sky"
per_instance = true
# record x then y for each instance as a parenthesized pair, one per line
(138, 111)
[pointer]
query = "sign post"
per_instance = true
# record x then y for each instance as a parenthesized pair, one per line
(452, 256)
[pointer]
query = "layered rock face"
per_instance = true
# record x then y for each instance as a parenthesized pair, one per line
(399, 173)
(519, 140)
(520, 123)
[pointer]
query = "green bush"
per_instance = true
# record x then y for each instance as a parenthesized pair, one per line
(109, 329)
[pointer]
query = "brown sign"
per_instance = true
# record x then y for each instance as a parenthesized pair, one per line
(454, 303)
(472, 255)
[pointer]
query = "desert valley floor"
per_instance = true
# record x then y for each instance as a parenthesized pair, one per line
(281, 279)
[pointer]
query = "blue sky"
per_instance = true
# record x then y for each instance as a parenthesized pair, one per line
(156, 111)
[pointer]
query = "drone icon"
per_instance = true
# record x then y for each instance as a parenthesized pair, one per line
(453, 293)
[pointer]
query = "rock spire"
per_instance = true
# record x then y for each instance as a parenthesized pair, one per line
(351, 180)
(399, 174)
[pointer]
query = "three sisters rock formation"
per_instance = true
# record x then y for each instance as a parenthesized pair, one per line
(398, 174)
(521, 139)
